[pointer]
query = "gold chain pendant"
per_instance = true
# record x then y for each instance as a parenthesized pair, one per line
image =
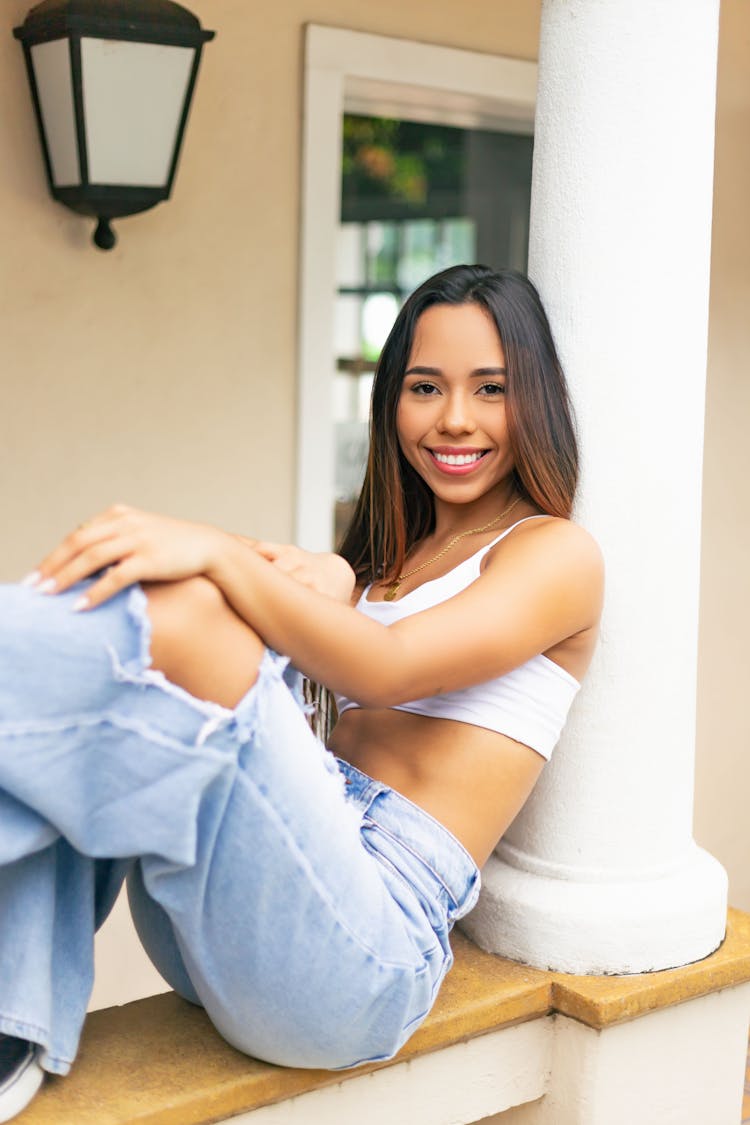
(394, 588)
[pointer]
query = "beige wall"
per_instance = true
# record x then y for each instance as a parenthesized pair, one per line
(164, 373)
(722, 820)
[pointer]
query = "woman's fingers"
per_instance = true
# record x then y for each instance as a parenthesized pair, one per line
(322, 571)
(253, 543)
(128, 546)
(99, 556)
(96, 544)
(117, 578)
(84, 551)
(270, 551)
(284, 556)
(92, 531)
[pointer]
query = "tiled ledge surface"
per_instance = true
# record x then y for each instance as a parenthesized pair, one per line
(602, 1001)
(159, 1061)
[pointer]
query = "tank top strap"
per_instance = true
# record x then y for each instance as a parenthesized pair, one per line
(542, 516)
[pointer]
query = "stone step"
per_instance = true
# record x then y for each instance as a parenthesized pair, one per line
(486, 1045)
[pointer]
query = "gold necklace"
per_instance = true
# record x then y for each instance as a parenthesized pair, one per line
(393, 589)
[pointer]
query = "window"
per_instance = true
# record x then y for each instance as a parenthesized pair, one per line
(442, 176)
(415, 198)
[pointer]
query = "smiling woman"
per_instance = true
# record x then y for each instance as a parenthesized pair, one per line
(444, 375)
(471, 426)
(451, 418)
(149, 726)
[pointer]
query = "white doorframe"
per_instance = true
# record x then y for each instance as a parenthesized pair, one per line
(349, 71)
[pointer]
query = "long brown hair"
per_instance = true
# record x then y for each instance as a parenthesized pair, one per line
(395, 508)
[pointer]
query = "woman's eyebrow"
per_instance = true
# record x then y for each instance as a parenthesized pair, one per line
(480, 371)
(423, 371)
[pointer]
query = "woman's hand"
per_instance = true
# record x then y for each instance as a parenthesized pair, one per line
(130, 546)
(327, 573)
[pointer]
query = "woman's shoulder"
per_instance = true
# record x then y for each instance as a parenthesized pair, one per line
(550, 544)
(565, 532)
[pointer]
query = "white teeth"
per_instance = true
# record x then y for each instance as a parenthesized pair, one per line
(457, 459)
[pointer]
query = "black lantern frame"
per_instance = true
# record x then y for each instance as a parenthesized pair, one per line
(160, 22)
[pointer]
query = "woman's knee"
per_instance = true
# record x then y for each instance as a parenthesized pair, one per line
(174, 605)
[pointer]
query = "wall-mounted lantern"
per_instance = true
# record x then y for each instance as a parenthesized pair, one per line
(111, 82)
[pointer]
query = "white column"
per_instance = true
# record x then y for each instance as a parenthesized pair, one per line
(600, 874)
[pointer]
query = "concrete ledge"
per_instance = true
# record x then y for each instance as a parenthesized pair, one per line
(600, 1002)
(159, 1061)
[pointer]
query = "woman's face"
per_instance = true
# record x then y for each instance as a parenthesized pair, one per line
(451, 411)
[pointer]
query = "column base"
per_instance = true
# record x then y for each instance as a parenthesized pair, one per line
(601, 928)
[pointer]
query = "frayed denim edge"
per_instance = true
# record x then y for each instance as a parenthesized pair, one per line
(52, 1064)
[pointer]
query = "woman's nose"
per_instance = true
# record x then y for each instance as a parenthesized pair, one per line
(456, 417)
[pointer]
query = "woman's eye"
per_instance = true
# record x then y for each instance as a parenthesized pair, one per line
(492, 390)
(424, 389)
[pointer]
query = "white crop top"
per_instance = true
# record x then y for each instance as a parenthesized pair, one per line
(529, 704)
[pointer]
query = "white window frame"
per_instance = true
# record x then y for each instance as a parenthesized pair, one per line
(353, 72)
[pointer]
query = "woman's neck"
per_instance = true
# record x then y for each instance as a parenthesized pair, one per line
(454, 519)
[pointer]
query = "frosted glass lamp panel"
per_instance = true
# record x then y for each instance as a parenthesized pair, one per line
(133, 96)
(51, 62)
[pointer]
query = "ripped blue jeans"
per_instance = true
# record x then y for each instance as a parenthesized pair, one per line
(304, 905)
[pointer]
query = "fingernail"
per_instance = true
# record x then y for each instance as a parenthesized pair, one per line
(81, 603)
(31, 579)
(47, 586)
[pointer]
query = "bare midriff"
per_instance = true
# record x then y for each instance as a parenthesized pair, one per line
(470, 779)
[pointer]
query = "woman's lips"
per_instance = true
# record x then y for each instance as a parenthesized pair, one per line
(457, 462)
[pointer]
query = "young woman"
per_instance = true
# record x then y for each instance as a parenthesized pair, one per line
(148, 725)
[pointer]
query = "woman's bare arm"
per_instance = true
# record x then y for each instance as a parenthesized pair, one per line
(542, 585)
(323, 571)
